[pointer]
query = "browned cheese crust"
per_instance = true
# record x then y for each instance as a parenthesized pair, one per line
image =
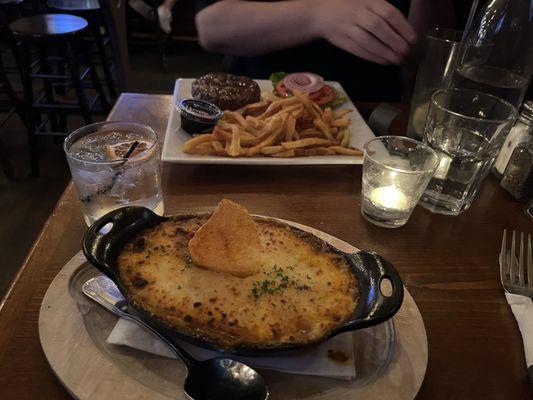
(303, 292)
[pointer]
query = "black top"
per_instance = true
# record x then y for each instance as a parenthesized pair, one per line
(45, 25)
(74, 5)
(362, 80)
(9, 2)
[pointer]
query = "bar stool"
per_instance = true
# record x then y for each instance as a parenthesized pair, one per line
(10, 10)
(11, 105)
(63, 33)
(90, 10)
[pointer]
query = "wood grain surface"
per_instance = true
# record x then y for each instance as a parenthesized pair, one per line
(449, 265)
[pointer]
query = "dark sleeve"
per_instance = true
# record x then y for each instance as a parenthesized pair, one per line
(201, 4)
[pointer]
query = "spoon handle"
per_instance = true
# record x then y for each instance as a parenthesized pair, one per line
(104, 291)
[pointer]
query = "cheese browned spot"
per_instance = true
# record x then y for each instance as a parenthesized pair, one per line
(228, 242)
(302, 291)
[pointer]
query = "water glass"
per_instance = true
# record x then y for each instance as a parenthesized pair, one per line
(466, 128)
(115, 164)
(396, 171)
(436, 71)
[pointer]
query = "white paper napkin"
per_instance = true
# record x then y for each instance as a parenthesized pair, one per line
(522, 308)
(313, 361)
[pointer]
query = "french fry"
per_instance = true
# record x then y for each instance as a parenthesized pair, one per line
(346, 151)
(308, 142)
(283, 154)
(271, 150)
(310, 132)
(340, 136)
(235, 143)
(341, 113)
(274, 107)
(319, 123)
(342, 122)
(290, 127)
(217, 146)
(299, 113)
(306, 103)
(319, 151)
(346, 138)
(277, 127)
(318, 110)
(238, 118)
(204, 148)
(291, 108)
(270, 140)
(254, 108)
(328, 116)
(195, 141)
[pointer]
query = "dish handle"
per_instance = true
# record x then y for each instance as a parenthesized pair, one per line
(106, 236)
(372, 270)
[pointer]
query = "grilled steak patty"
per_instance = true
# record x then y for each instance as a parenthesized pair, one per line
(227, 91)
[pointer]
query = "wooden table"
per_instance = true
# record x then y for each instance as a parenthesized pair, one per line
(449, 264)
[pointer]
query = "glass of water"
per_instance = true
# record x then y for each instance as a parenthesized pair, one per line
(115, 164)
(435, 71)
(396, 171)
(466, 128)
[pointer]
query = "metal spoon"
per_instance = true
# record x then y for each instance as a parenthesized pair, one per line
(214, 379)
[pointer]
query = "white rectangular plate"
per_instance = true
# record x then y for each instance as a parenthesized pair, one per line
(359, 131)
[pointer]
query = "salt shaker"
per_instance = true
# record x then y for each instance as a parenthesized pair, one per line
(518, 176)
(519, 133)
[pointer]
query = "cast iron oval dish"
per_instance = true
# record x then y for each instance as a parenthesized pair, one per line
(368, 268)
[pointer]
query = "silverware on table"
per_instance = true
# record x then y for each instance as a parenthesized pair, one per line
(529, 210)
(215, 379)
(516, 275)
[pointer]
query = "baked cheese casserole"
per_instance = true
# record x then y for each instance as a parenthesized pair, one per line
(300, 292)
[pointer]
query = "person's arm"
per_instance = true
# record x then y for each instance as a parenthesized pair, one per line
(371, 29)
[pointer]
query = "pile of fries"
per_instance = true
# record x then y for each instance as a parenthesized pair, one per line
(276, 127)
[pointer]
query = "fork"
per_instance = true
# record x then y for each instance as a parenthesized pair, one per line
(513, 271)
(519, 290)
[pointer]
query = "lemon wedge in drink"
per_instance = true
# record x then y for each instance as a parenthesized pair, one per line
(119, 150)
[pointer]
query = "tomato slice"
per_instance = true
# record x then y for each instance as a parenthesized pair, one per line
(282, 89)
(327, 93)
(316, 95)
(322, 96)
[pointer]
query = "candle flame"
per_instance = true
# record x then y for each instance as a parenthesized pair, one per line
(389, 197)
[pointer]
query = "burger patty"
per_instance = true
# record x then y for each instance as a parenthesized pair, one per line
(227, 91)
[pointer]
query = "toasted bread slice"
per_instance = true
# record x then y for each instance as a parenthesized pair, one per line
(228, 242)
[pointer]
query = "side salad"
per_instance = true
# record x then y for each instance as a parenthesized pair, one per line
(321, 93)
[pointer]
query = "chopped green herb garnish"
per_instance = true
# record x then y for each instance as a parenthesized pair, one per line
(277, 281)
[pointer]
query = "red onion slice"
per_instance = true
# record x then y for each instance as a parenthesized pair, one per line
(304, 82)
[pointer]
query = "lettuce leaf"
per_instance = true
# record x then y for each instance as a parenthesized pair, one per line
(337, 101)
(276, 78)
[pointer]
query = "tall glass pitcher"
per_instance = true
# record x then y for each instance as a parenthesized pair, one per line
(496, 56)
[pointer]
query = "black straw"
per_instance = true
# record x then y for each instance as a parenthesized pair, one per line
(108, 188)
(125, 160)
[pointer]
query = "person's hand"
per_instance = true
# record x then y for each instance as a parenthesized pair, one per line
(371, 29)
